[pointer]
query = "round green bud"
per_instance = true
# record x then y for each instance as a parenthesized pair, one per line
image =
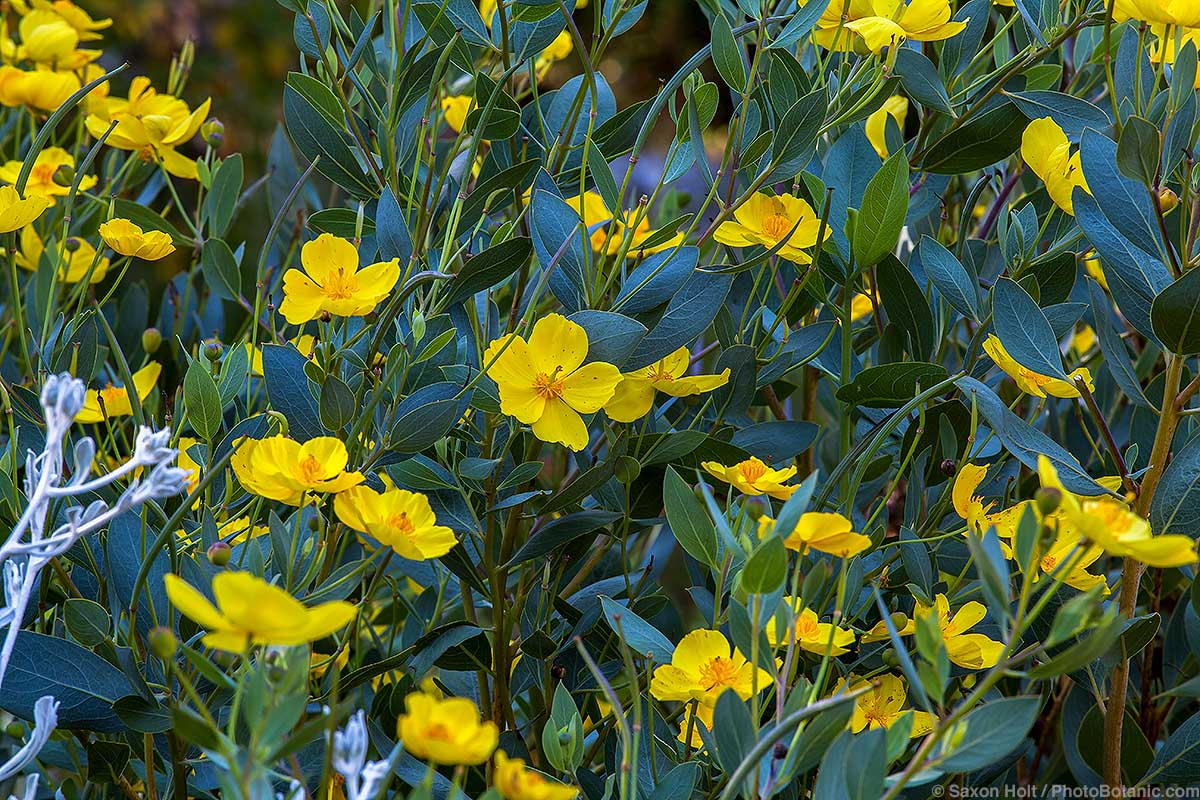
(152, 339)
(1167, 199)
(889, 657)
(219, 553)
(213, 132)
(1048, 500)
(64, 175)
(756, 507)
(627, 469)
(163, 642)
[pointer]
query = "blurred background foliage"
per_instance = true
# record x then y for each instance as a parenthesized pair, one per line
(244, 49)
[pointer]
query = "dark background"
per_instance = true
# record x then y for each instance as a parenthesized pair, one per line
(244, 50)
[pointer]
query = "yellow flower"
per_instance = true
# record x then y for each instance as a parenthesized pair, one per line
(306, 343)
(113, 401)
(15, 212)
(152, 125)
(319, 663)
(968, 650)
(185, 460)
(70, 13)
(455, 109)
(1031, 382)
(1064, 549)
(768, 220)
(44, 90)
(883, 705)
(895, 107)
(879, 632)
(239, 529)
(41, 178)
(515, 781)
(74, 260)
(861, 305)
(610, 235)
(875, 24)
(334, 283)
(250, 611)
(819, 530)
(1168, 40)
(1091, 263)
(1083, 340)
(809, 632)
(283, 469)
(702, 667)
(398, 518)
(129, 239)
(1108, 522)
(692, 718)
(978, 516)
(445, 731)
(50, 40)
(1044, 147)
(545, 384)
(1179, 13)
(753, 477)
(634, 395)
(558, 50)
(232, 531)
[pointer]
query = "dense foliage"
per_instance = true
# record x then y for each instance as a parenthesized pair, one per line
(536, 446)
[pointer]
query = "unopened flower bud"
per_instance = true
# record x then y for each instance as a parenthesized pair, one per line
(213, 132)
(948, 467)
(756, 507)
(212, 351)
(163, 642)
(1167, 199)
(64, 175)
(779, 752)
(15, 730)
(219, 553)
(889, 657)
(151, 340)
(558, 672)
(1048, 499)
(627, 469)
(72, 244)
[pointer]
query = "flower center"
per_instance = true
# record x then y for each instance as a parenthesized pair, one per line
(1115, 518)
(777, 226)
(44, 173)
(875, 718)
(340, 286)
(658, 373)
(752, 470)
(548, 387)
(111, 394)
(806, 627)
(717, 672)
(439, 732)
(309, 469)
(1049, 563)
(400, 522)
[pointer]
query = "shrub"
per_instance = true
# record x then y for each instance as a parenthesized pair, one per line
(820, 426)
